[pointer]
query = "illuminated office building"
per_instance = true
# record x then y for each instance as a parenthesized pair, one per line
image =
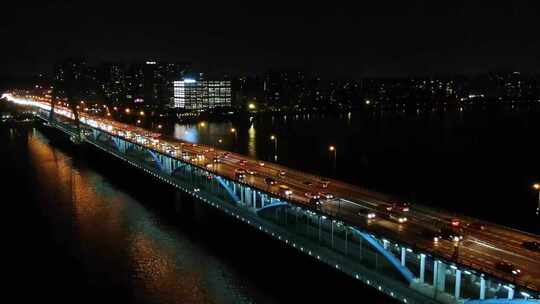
(190, 94)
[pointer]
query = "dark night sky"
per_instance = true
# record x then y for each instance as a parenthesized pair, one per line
(381, 39)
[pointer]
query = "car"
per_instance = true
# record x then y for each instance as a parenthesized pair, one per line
(398, 206)
(251, 172)
(447, 234)
(370, 215)
(216, 160)
(282, 174)
(508, 268)
(531, 245)
(398, 217)
(226, 154)
(285, 190)
(261, 164)
(243, 162)
(315, 201)
(455, 222)
(326, 195)
(240, 174)
(270, 181)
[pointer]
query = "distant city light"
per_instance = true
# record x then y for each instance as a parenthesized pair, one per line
(368, 102)
(251, 106)
(189, 80)
(150, 62)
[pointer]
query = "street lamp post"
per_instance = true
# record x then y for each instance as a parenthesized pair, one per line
(333, 153)
(274, 139)
(537, 188)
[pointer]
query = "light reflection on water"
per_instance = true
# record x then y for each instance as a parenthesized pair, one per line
(163, 265)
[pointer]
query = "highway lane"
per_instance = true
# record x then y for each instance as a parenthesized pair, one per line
(482, 249)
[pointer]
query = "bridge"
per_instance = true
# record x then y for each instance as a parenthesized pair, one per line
(405, 252)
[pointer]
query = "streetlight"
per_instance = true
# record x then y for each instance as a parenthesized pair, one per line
(233, 131)
(274, 139)
(202, 124)
(141, 113)
(333, 152)
(128, 110)
(536, 187)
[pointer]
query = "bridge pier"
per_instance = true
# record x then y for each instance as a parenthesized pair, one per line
(422, 267)
(403, 255)
(441, 276)
(482, 295)
(457, 288)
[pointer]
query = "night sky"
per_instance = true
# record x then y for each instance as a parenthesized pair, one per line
(377, 39)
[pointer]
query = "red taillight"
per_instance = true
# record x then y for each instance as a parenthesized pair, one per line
(455, 223)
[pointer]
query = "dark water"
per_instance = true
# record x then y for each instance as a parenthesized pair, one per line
(81, 227)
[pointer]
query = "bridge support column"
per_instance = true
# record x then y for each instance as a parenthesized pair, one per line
(403, 255)
(441, 276)
(457, 290)
(435, 273)
(422, 268)
(385, 244)
(254, 202)
(248, 196)
(242, 194)
(482, 288)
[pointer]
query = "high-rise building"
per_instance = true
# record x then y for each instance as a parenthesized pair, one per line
(74, 78)
(151, 82)
(112, 81)
(191, 94)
